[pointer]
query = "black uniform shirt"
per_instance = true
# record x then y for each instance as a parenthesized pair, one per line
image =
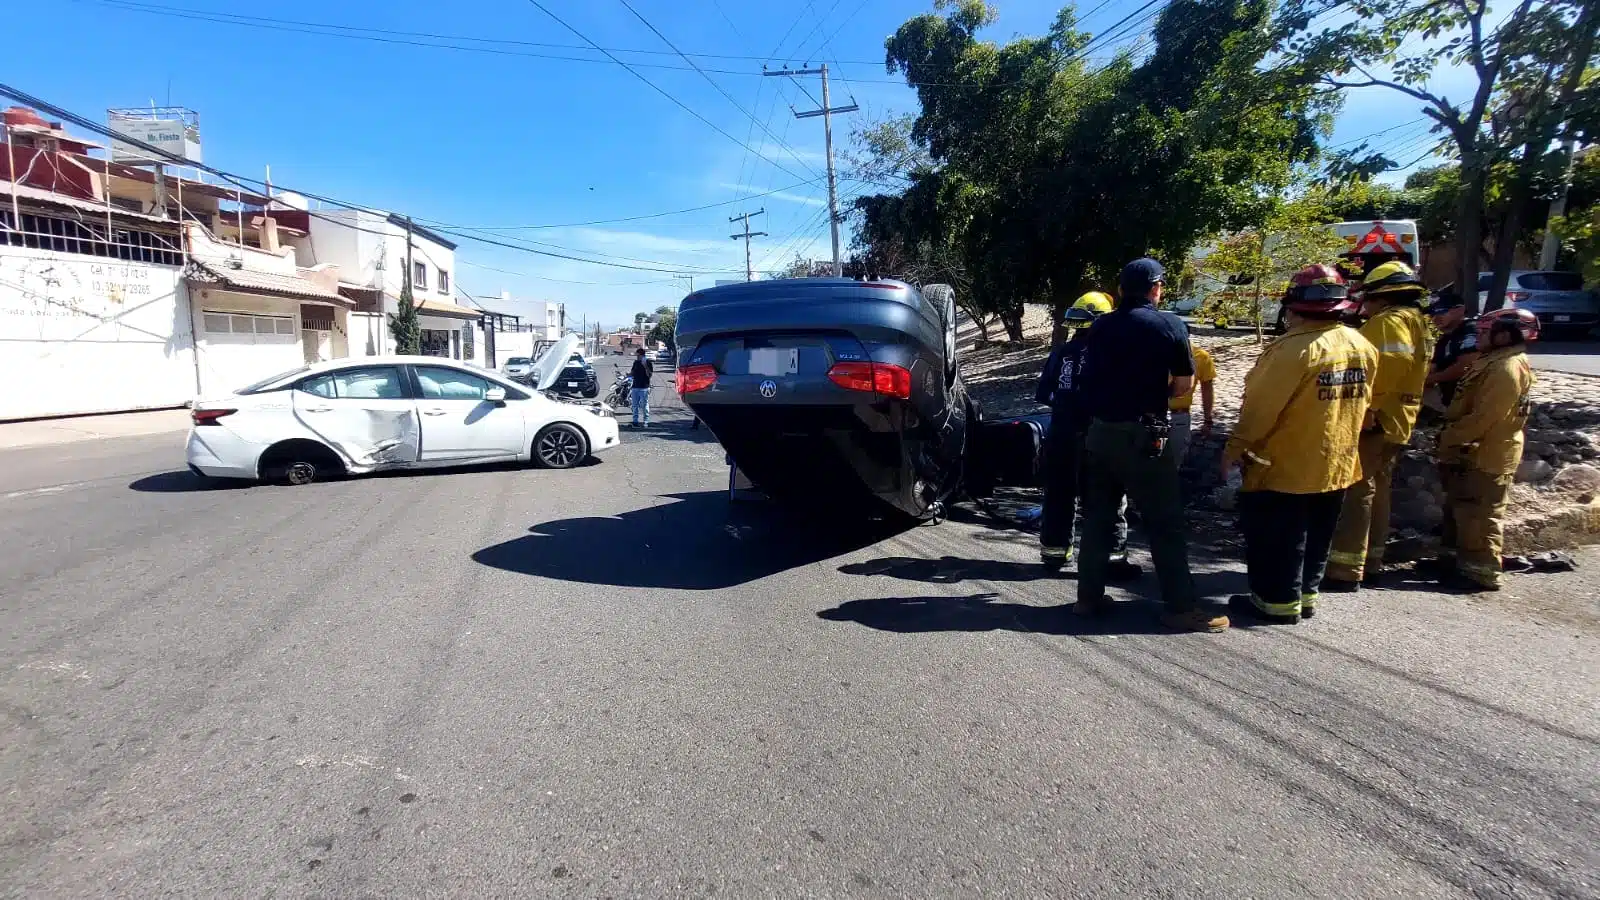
(1133, 353)
(642, 370)
(1463, 339)
(1058, 384)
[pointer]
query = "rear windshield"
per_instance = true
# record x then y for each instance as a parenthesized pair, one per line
(257, 387)
(519, 361)
(1551, 281)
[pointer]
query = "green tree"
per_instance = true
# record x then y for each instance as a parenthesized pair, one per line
(1253, 265)
(403, 325)
(666, 325)
(1520, 63)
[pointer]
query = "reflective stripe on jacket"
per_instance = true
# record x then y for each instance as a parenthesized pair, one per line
(1490, 410)
(1303, 405)
(1400, 334)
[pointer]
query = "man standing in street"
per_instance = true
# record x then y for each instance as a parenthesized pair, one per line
(1481, 447)
(1136, 360)
(639, 397)
(1457, 348)
(1299, 427)
(1392, 296)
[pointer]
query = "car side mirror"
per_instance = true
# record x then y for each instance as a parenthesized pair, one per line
(495, 395)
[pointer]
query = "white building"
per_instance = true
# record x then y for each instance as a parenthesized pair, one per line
(370, 251)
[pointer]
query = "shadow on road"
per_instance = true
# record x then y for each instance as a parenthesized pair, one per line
(983, 612)
(697, 542)
(948, 569)
(184, 481)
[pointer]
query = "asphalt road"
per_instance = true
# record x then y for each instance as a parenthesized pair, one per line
(607, 682)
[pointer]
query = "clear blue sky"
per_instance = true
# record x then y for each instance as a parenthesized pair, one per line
(506, 138)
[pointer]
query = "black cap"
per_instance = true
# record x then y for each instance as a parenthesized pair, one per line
(1140, 275)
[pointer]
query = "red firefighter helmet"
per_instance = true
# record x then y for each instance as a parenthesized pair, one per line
(1318, 291)
(1524, 323)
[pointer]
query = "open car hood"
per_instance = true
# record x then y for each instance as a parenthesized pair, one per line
(552, 361)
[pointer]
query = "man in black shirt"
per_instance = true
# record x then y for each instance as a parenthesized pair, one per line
(639, 398)
(1137, 358)
(1458, 342)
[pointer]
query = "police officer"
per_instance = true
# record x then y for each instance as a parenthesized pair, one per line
(1457, 348)
(1392, 297)
(1481, 446)
(1137, 358)
(1299, 426)
(1058, 388)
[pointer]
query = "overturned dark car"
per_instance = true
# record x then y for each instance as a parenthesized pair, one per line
(830, 391)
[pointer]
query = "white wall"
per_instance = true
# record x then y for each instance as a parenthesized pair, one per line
(229, 361)
(87, 334)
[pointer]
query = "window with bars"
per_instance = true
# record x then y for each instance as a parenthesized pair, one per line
(240, 323)
(89, 238)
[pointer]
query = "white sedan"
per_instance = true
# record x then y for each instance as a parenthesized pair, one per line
(399, 412)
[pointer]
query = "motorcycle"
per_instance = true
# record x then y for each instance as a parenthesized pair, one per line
(621, 390)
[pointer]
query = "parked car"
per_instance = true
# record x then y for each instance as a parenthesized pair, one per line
(518, 368)
(576, 378)
(1557, 298)
(353, 416)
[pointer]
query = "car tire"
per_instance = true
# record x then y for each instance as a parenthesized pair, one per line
(943, 297)
(296, 463)
(560, 446)
(591, 393)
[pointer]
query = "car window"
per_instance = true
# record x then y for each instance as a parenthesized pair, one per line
(440, 383)
(1484, 280)
(257, 387)
(364, 383)
(1551, 281)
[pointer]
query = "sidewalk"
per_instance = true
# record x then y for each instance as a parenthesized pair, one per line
(46, 432)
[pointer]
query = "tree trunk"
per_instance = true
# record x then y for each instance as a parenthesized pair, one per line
(1469, 227)
(1505, 245)
(1012, 320)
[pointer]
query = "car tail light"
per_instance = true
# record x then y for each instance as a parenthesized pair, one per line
(210, 416)
(882, 378)
(1516, 296)
(696, 378)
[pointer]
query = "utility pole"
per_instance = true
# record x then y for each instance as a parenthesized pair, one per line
(1558, 207)
(747, 234)
(826, 112)
(690, 277)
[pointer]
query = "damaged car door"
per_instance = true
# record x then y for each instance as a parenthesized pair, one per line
(365, 412)
(462, 421)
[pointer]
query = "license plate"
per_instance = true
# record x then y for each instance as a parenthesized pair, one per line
(572, 384)
(774, 361)
(1561, 318)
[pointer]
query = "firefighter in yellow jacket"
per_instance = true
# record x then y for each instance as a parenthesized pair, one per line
(1481, 446)
(1392, 297)
(1299, 426)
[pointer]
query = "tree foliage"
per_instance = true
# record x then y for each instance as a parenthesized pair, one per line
(666, 325)
(404, 325)
(1043, 176)
(1528, 86)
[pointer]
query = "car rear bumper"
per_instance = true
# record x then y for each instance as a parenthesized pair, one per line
(220, 453)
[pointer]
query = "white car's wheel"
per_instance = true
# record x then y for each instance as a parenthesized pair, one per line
(298, 462)
(560, 446)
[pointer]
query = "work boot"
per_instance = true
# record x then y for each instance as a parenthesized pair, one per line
(1119, 569)
(1374, 579)
(1054, 558)
(1457, 580)
(1340, 586)
(1090, 609)
(1308, 605)
(1197, 619)
(1244, 606)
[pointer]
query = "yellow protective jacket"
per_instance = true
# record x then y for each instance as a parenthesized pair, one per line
(1483, 427)
(1303, 406)
(1400, 334)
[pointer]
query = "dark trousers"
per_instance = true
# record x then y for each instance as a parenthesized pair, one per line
(1063, 480)
(1115, 466)
(1287, 541)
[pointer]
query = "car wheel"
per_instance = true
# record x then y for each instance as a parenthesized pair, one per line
(299, 462)
(591, 393)
(560, 446)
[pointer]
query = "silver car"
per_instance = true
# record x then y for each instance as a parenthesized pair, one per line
(1557, 298)
(519, 369)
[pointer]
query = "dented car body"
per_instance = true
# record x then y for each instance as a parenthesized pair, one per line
(830, 391)
(355, 416)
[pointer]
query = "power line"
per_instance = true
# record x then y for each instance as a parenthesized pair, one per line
(658, 89)
(657, 32)
(659, 215)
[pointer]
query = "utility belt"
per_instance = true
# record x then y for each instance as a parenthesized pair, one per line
(1154, 431)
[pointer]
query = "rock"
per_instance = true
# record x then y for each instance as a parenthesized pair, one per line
(1225, 498)
(1589, 453)
(1578, 478)
(1534, 471)
(1571, 456)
